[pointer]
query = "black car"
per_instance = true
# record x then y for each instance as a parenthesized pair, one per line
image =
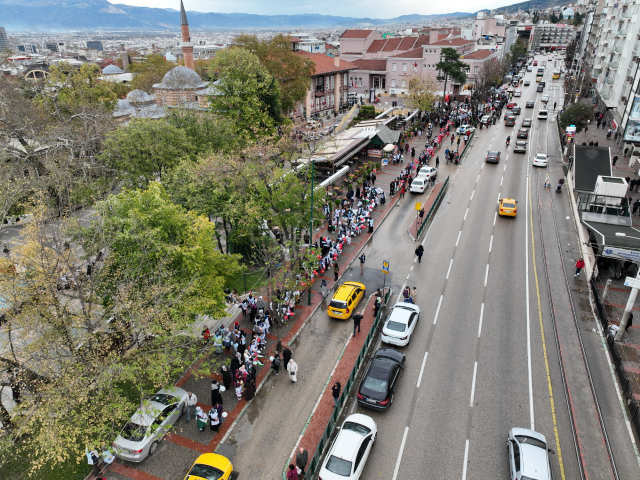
(493, 156)
(523, 133)
(516, 110)
(530, 104)
(540, 88)
(381, 380)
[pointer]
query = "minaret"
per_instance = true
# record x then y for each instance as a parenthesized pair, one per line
(187, 46)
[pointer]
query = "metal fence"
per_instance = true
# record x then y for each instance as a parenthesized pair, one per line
(625, 385)
(433, 208)
(316, 460)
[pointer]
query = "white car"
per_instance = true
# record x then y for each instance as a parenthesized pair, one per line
(517, 93)
(543, 114)
(427, 172)
(465, 129)
(528, 454)
(540, 160)
(350, 449)
(419, 185)
(140, 436)
(400, 324)
(544, 98)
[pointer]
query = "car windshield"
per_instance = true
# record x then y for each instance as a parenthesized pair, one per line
(521, 144)
(206, 471)
(339, 466)
(493, 154)
(396, 326)
(509, 205)
(338, 304)
(133, 432)
(417, 182)
(531, 441)
(163, 398)
(375, 384)
(356, 427)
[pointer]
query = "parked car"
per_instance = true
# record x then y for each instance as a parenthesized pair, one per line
(427, 172)
(528, 454)
(540, 160)
(543, 114)
(350, 449)
(210, 465)
(544, 98)
(526, 122)
(493, 156)
(529, 68)
(346, 299)
(523, 133)
(520, 147)
(381, 380)
(419, 185)
(140, 436)
(400, 324)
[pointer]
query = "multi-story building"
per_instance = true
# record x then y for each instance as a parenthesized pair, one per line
(310, 44)
(551, 36)
(55, 47)
(27, 48)
(5, 44)
(94, 45)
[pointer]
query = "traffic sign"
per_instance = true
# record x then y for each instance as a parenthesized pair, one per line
(632, 282)
(385, 266)
(418, 206)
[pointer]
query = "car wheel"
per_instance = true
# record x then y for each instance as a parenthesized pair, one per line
(153, 448)
(375, 437)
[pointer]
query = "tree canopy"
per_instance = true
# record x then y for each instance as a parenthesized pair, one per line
(422, 92)
(149, 71)
(451, 66)
(577, 114)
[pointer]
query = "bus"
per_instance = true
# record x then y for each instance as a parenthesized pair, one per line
(556, 74)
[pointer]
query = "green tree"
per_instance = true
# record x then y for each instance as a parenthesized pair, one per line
(144, 150)
(293, 71)
(149, 71)
(78, 86)
(577, 19)
(205, 132)
(450, 66)
(577, 114)
(422, 92)
(553, 18)
(245, 92)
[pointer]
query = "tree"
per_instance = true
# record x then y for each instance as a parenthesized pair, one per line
(78, 86)
(293, 71)
(422, 92)
(489, 77)
(149, 71)
(553, 18)
(577, 19)
(245, 92)
(144, 150)
(205, 132)
(577, 114)
(450, 66)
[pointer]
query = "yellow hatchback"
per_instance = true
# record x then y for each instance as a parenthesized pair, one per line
(346, 299)
(209, 466)
(507, 207)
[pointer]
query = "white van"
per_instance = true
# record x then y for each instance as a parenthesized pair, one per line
(543, 114)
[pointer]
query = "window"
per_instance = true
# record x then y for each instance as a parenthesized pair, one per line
(393, 83)
(361, 451)
(332, 79)
(344, 80)
(393, 67)
(404, 67)
(476, 69)
(359, 82)
(403, 84)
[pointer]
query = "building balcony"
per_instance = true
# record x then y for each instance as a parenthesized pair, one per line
(606, 95)
(622, 32)
(627, 14)
(608, 81)
(618, 48)
(614, 65)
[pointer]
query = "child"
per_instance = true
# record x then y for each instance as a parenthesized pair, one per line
(239, 388)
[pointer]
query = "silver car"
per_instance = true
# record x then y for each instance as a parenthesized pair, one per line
(140, 436)
(528, 455)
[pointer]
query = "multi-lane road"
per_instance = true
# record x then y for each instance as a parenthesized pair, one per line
(482, 359)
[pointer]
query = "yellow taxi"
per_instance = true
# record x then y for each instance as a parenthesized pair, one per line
(507, 207)
(209, 466)
(346, 299)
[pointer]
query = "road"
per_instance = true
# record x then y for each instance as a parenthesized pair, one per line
(476, 364)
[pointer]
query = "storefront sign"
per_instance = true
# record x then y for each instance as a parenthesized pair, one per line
(631, 255)
(632, 132)
(374, 153)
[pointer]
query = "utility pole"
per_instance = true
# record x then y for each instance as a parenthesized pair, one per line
(311, 223)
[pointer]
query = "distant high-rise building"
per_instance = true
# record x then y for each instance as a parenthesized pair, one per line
(4, 40)
(55, 47)
(95, 45)
(27, 48)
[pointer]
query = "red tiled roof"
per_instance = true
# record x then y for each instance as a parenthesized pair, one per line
(373, 65)
(356, 33)
(477, 55)
(407, 43)
(352, 53)
(324, 63)
(293, 39)
(376, 46)
(329, 47)
(391, 45)
(422, 40)
(415, 53)
(452, 42)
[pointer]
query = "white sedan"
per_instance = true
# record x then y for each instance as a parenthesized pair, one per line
(400, 324)
(419, 185)
(517, 93)
(427, 172)
(465, 129)
(350, 449)
(540, 160)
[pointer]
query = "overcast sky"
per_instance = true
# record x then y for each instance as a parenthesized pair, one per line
(353, 8)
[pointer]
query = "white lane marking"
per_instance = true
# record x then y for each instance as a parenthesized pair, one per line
(411, 267)
(505, 167)
(449, 271)
(465, 214)
(459, 233)
(478, 179)
(473, 383)
(435, 319)
(472, 195)
(526, 275)
(495, 216)
(480, 324)
(424, 361)
(404, 440)
(407, 277)
(501, 181)
(466, 457)
(498, 197)
(490, 243)
(401, 290)
(486, 274)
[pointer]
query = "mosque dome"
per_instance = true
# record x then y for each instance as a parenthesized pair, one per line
(111, 70)
(138, 96)
(181, 77)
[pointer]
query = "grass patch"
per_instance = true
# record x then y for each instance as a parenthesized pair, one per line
(17, 468)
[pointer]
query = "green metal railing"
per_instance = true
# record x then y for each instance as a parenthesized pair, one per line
(316, 460)
(433, 208)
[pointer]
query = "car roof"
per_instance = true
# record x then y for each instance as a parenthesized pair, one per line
(534, 461)
(347, 444)
(346, 289)
(146, 414)
(418, 180)
(400, 315)
(508, 200)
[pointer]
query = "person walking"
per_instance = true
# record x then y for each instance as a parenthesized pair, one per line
(336, 271)
(201, 419)
(437, 162)
(216, 397)
(370, 225)
(335, 393)
(357, 318)
(614, 160)
(191, 402)
(402, 192)
(414, 295)
(286, 355)
(292, 368)
(323, 287)
(420, 252)
(609, 134)
(302, 458)
(433, 180)
(214, 419)
(579, 266)
(275, 363)
(292, 473)
(226, 377)
(373, 179)
(249, 390)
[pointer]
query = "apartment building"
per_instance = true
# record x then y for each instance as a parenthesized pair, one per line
(551, 36)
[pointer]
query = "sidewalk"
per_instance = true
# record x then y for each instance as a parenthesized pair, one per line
(185, 443)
